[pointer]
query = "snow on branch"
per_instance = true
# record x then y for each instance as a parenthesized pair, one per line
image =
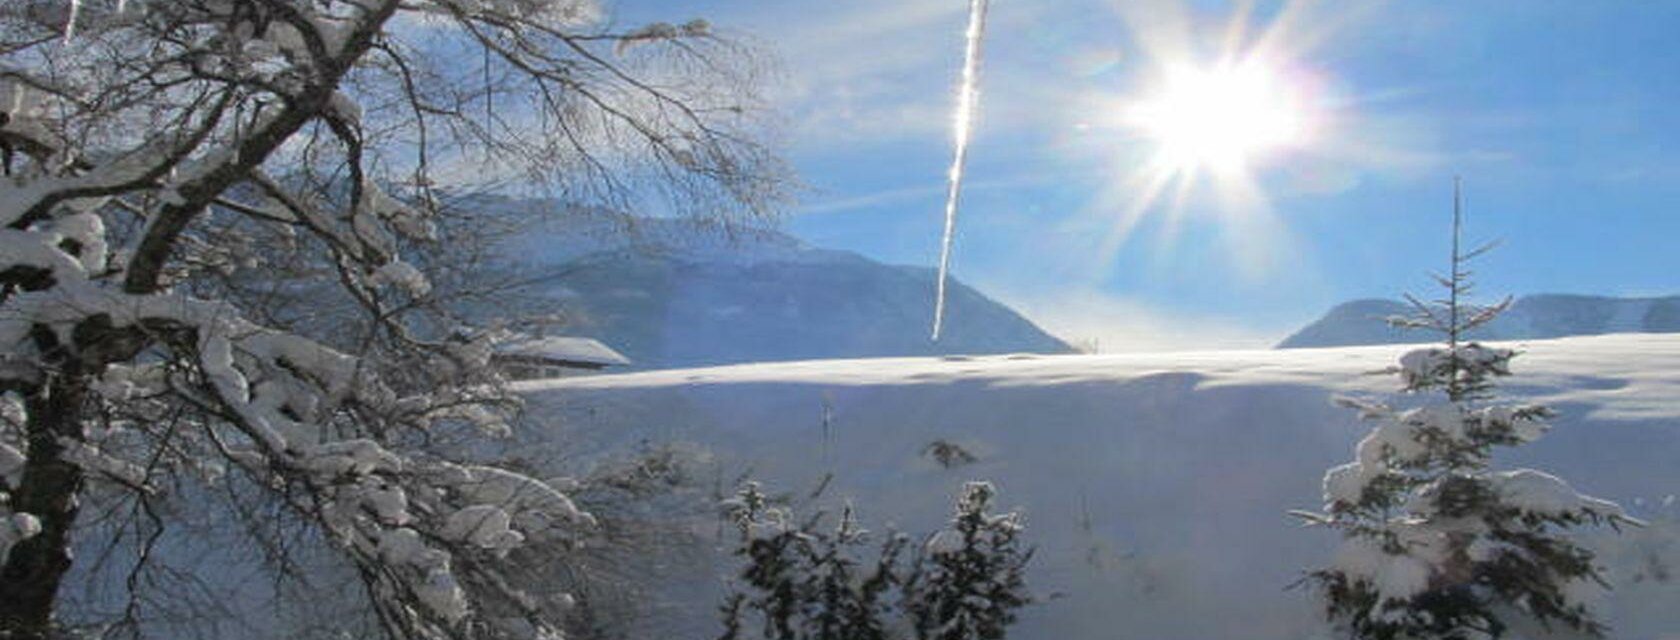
(180, 166)
(1436, 543)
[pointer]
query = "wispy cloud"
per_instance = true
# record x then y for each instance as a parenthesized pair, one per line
(869, 200)
(856, 71)
(930, 191)
(864, 72)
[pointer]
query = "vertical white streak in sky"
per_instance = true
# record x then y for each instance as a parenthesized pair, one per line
(967, 97)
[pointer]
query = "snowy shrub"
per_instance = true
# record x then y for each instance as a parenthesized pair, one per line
(948, 454)
(1436, 543)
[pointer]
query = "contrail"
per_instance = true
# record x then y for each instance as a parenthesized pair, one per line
(70, 22)
(967, 96)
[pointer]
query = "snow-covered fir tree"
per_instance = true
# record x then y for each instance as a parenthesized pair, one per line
(770, 544)
(811, 582)
(969, 580)
(1437, 544)
(849, 600)
(171, 168)
(808, 581)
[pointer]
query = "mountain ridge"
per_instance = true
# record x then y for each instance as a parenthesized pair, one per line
(1537, 316)
(671, 292)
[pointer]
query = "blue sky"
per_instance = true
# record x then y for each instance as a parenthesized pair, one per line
(1563, 117)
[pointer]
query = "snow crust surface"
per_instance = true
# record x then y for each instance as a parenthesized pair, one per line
(1155, 486)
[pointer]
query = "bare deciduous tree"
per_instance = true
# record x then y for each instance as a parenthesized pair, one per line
(178, 171)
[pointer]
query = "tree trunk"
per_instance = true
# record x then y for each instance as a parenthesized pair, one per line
(30, 579)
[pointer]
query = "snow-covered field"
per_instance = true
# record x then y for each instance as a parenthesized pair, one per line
(1155, 486)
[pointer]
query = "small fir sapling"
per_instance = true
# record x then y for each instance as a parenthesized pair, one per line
(1438, 544)
(970, 578)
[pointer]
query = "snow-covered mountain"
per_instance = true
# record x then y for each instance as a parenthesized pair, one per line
(1154, 486)
(1530, 317)
(683, 292)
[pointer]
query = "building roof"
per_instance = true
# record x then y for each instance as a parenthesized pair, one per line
(563, 348)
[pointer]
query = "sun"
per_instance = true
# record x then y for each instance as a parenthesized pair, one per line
(1206, 119)
(1222, 119)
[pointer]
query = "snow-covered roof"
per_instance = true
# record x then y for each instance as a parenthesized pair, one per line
(563, 348)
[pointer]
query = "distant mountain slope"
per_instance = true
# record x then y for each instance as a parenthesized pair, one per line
(679, 292)
(1530, 317)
